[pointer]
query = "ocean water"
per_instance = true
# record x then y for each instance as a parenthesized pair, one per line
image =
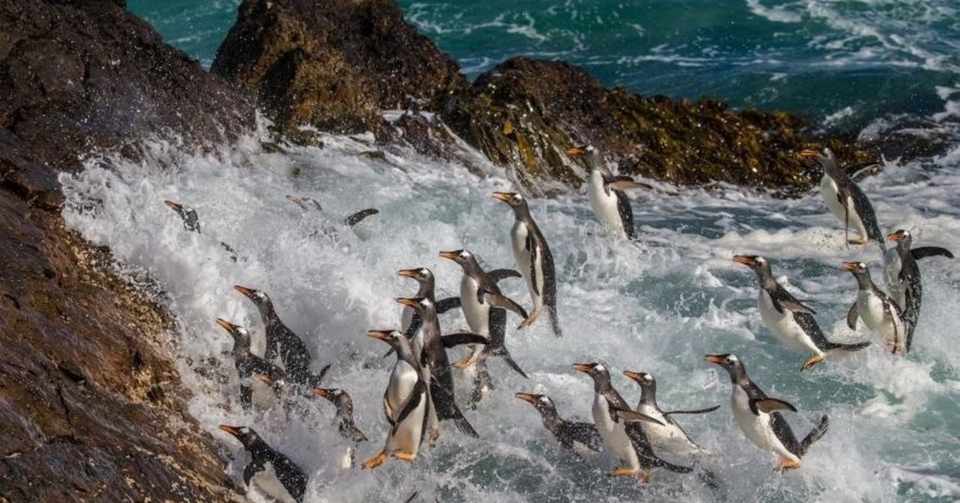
(655, 305)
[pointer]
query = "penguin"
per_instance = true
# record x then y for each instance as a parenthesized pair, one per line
(846, 200)
(254, 392)
(269, 473)
(405, 402)
(624, 439)
(533, 259)
(668, 435)
(410, 321)
(281, 341)
(191, 221)
(308, 203)
(903, 276)
(345, 424)
(877, 310)
(757, 416)
(607, 198)
(434, 359)
(788, 318)
(479, 295)
(570, 434)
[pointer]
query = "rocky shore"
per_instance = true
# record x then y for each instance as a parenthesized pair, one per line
(91, 405)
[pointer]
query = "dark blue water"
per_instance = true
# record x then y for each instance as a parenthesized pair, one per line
(849, 60)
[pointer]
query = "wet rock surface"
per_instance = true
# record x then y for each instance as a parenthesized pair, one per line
(91, 404)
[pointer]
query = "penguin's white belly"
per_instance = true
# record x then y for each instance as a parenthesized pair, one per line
(406, 436)
(871, 312)
(757, 427)
(668, 437)
(614, 434)
(605, 205)
(347, 458)
(401, 384)
(891, 274)
(266, 487)
(477, 314)
(784, 326)
(830, 191)
(524, 259)
(262, 394)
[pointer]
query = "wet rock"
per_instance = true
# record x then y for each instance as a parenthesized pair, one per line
(334, 64)
(91, 405)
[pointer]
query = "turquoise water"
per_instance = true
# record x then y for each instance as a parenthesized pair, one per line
(815, 57)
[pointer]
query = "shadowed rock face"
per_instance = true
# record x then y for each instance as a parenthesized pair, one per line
(91, 406)
(334, 64)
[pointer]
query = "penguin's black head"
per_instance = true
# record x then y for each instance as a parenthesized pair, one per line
(515, 200)
(902, 237)
(420, 304)
(731, 363)
(641, 378)
(597, 371)
(335, 395)
(825, 157)
(587, 152)
(259, 298)
(191, 221)
(305, 202)
(543, 403)
(857, 268)
(391, 337)
(239, 333)
(245, 435)
(422, 275)
(466, 259)
(756, 263)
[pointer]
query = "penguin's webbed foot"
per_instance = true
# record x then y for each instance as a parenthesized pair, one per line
(405, 456)
(642, 475)
(531, 319)
(467, 361)
(434, 436)
(375, 461)
(813, 360)
(787, 464)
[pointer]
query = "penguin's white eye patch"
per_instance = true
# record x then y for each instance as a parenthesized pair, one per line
(599, 367)
(544, 399)
(732, 358)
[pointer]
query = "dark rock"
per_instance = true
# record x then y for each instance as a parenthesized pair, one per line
(334, 64)
(91, 405)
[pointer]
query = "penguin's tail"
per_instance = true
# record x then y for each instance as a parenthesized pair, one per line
(462, 424)
(503, 353)
(815, 434)
(835, 346)
(359, 216)
(554, 320)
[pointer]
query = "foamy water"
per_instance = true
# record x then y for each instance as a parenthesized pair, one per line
(657, 305)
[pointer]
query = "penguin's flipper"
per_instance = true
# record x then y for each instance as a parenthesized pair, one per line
(632, 416)
(768, 405)
(458, 338)
(443, 305)
(359, 216)
(930, 251)
(315, 380)
(784, 299)
(815, 434)
(534, 252)
(416, 396)
(503, 353)
(462, 424)
(585, 433)
(624, 182)
(554, 320)
(387, 409)
(505, 302)
(626, 214)
(246, 396)
(498, 275)
(697, 411)
(852, 315)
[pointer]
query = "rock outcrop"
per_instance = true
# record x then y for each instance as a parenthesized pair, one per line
(91, 405)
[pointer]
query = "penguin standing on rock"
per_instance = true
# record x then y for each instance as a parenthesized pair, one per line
(281, 341)
(533, 259)
(846, 200)
(405, 402)
(788, 318)
(877, 310)
(668, 435)
(903, 275)
(269, 473)
(255, 392)
(570, 434)
(757, 416)
(624, 439)
(607, 196)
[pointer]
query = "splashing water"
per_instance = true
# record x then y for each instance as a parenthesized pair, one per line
(657, 305)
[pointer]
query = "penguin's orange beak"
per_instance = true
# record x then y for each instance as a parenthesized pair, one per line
(382, 335)
(715, 359)
(850, 266)
(586, 368)
(450, 255)
(809, 153)
(229, 327)
(634, 376)
(321, 392)
(233, 430)
(502, 196)
(264, 378)
(744, 260)
(407, 273)
(528, 397)
(895, 236)
(407, 301)
(244, 290)
(576, 151)
(173, 205)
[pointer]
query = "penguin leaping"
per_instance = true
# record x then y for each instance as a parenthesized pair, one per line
(570, 434)
(269, 473)
(789, 319)
(878, 311)
(902, 274)
(191, 221)
(410, 321)
(258, 393)
(607, 196)
(757, 416)
(281, 341)
(846, 200)
(533, 259)
(668, 435)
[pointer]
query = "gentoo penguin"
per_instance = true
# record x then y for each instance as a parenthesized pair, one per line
(253, 392)
(533, 259)
(309, 203)
(269, 474)
(568, 433)
(191, 221)
(281, 341)
(345, 424)
(903, 275)
(478, 294)
(410, 321)
(788, 318)
(878, 311)
(607, 198)
(845, 199)
(625, 440)
(434, 359)
(668, 435)
(405, 402)
(756, 415)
